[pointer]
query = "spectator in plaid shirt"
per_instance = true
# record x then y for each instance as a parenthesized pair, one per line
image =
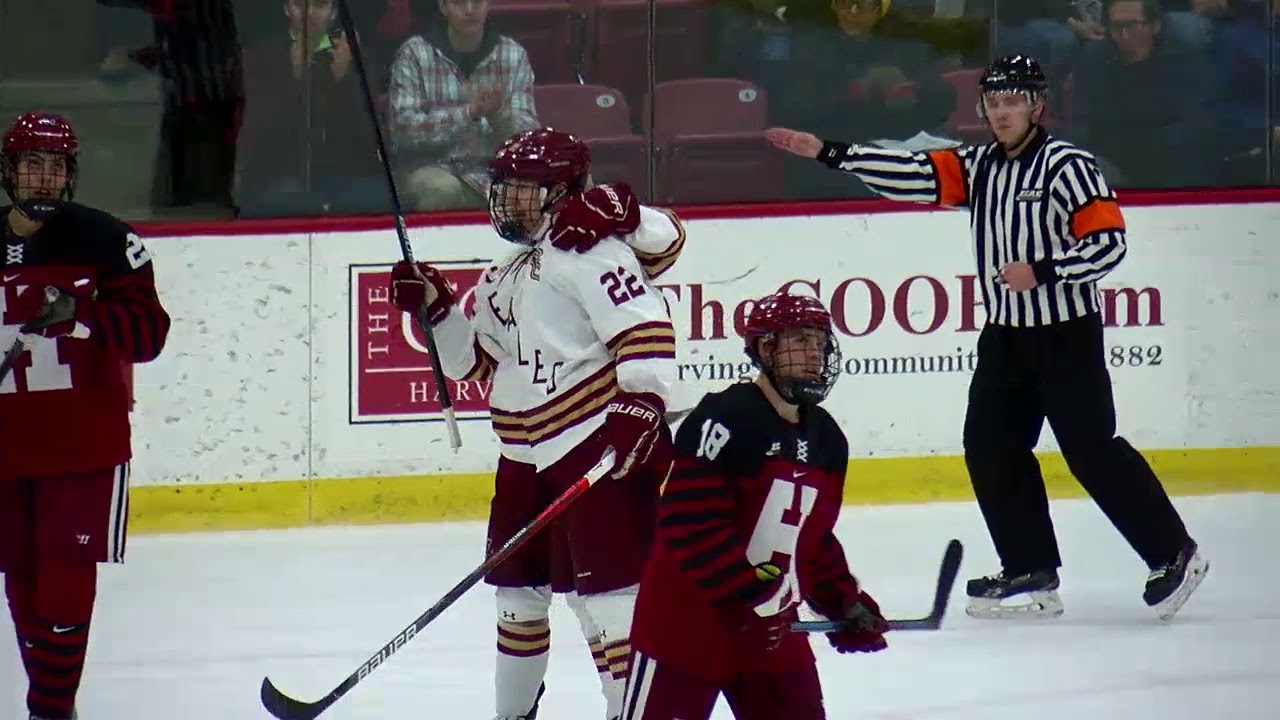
(456, 93)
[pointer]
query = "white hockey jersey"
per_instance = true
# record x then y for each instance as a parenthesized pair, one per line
(560, 333)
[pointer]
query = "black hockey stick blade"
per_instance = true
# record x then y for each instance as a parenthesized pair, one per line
(941, 598)
(286, 708)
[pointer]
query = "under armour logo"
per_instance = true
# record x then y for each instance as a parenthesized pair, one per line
(14, 253)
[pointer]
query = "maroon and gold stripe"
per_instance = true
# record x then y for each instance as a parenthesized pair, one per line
(524, 639)
(644, 341)
(655, 264)
(579, 403)
(483, 367)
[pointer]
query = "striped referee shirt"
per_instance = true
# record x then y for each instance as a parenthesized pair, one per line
(1049, 207)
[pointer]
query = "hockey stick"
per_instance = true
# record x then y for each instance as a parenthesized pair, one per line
(54, 305)
(446, 403)
(941, 597)
(287, 708)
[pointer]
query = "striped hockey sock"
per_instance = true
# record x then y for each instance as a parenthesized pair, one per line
(522, 665)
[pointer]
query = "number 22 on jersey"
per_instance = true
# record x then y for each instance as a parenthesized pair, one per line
(45, 372)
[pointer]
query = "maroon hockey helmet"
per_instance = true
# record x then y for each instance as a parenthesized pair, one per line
(530, 173)
(45, 133)
(775, 314)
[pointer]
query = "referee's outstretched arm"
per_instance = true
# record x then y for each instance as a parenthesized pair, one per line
(1092, 236)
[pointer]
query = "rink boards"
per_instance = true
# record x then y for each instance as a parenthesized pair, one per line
(290, 393)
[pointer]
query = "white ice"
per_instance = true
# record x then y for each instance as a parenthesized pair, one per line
(190, 625)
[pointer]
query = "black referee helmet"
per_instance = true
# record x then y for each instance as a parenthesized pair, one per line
(1013, 73)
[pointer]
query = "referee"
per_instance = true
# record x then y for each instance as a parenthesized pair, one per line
(1046, 228)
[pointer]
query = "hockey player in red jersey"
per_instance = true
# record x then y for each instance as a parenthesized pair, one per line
(745, 535)
(64, 406)
(580, 349)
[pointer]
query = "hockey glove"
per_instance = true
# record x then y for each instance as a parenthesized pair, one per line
(630, 427)
(51, 313)
(769, 620)
(415, 288)
(583, 220)
(864, 628)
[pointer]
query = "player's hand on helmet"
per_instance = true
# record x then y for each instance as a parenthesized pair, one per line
(771, 618)
(584, 219)
(418, 287)
(864, 627)
(631, 426)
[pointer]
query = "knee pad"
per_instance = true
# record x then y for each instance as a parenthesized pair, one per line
(611, 612)
(523, 604)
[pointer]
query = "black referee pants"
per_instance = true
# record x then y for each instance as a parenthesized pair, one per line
(1058, 372)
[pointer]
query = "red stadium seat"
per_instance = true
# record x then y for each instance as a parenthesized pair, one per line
(710, 137)
(588, 111)
(545, 29)
(601, 117)
(619, 51)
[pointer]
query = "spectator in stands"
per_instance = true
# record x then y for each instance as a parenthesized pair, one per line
(457, 91)
(196, 53)
(1051, 30)
(122, 30)
(753, 42)
(1140, 99)
(307, 146)
(856, 76)
(1240, 41)
(1191, 21)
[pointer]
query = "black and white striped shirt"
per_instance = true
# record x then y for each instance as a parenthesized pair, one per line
(1049, 207)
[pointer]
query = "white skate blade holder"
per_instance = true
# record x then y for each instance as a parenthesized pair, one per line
(1038, 604)
(1197, 568)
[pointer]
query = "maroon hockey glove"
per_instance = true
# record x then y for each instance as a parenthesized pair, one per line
(411, 289)
(768, 622)
(585, 219)
(52, 312)
(630, 427)
(864, 629)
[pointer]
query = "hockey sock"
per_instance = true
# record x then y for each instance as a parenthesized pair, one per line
(611, 613)
(524, 639)
(19, 590)
(592, 635)
(59, 637)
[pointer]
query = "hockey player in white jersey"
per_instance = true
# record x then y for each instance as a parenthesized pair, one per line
(580, 348)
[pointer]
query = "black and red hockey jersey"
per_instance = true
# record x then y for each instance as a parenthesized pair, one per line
(746, 487)
(65, 406)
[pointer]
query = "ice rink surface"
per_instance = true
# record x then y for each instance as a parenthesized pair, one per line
(187, 629)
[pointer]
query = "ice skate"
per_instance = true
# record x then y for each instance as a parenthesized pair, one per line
(987, 596)
(1170, 586)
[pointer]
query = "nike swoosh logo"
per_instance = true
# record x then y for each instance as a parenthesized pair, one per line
(60, 629)
(11, 278)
